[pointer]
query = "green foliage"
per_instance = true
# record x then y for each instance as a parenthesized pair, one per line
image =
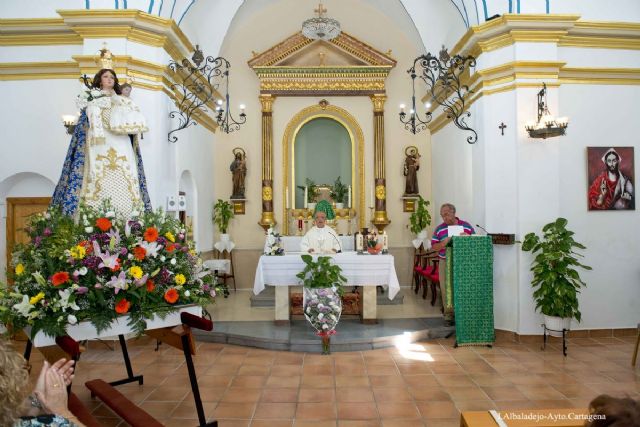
(339, 191)
(321, 273)
(222, 214)
(313, 191)
(420, 218)
(555, 278)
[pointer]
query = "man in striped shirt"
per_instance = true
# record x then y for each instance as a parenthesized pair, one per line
(439, 242)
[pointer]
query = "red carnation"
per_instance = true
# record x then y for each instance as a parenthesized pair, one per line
(122, 306)
(59, 278)
(139, 253)
(103, 224)
(150, 285)
(151, 234)
(171, 296)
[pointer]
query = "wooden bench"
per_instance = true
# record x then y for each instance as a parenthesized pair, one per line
(119, 404)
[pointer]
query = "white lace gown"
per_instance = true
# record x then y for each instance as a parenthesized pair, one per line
(110, 160)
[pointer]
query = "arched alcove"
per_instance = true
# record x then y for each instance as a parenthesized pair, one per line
(322, 152)
(348, 123)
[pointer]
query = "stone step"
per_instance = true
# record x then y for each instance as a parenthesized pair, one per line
(267, 297)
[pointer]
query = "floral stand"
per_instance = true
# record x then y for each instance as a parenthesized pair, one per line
(322, 308)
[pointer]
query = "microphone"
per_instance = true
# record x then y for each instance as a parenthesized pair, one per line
(483, 229)
(337, 240)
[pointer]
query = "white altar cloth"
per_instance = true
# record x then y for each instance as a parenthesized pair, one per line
(219, 265)
(292, 243)
(360, 270)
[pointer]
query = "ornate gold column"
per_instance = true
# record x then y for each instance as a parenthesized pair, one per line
(267, 219)
(380, 219)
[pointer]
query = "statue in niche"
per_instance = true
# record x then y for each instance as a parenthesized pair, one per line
(411, 166)
(239, 172)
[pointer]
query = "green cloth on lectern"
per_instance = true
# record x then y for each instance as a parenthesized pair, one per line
(447, 296)
(471, 265)
(324, 206)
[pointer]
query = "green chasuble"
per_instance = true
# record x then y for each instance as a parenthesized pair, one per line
(470, 271)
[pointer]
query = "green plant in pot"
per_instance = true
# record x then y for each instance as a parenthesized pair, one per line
(222, 214)
(556, 279)
(322, 282)
(339, 192)
(419, 220)
(312, 190)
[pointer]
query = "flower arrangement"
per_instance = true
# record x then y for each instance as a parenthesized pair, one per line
(373, 244)
(98, 267)
(322, 296)
(273, 244)
(90, 94)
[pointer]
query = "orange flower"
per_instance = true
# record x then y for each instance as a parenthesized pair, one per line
(139, 252)
(171, 248)
(150, 285)
(171, 296)
(103, 224)
(59, 278)
(122, 306)
(116, 267)
(151, 234)
(87, 246)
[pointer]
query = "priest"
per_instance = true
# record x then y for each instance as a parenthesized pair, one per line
(321, 239)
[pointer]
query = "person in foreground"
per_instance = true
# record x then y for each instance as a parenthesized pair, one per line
(608, 411)
(439, 243)
(47, 403)
(321, 239)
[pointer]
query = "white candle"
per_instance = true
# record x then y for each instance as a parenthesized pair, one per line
(286, 197)
(349, 197)
(305, 197)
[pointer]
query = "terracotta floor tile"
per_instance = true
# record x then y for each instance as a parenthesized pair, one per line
(159, 409)
(357, 411)
(528, 380)
(271, 423)
(269, 410)
(448, 380)
(234, 410)
(283, 382)
(379, 369)
(359, 423)
(474, 405)
(466, 393)
(414, 369)
(499, 393)
(226, 422)
(261, 360)
(241, 395)
(352, 381)
(426, 380)
(212, 394)
(431, 410)
(214, 380)
(398, 410)
(286, 370)
(540, 392)
(450, 422)
(319, 369)
(187, 409)
(248, 381)
(490, 380)
(447, 368)
(109, 422)
(315, 423)
(391, 394)
(387, 381)
(350, 369)
(574, 391)
(318, 381)
(549, 404)
(506, 405)
(279, 395)
(354, 394)
(164, 393)
(254, 370)
(398, 422)
(427, 394)
(316, 411)
(316, 395)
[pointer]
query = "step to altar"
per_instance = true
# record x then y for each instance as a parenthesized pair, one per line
(267, 298)
(351, 334)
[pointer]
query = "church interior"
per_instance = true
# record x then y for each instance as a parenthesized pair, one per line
(260, 114)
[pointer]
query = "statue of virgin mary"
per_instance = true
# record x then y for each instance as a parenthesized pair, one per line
(103, 162)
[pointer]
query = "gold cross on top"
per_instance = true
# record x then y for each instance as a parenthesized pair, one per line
(320, 10)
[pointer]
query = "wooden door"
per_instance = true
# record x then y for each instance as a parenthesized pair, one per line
(18, 211)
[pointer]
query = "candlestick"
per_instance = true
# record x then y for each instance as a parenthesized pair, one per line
(349, 198)
(286, 197)
(305, 196)
(372, 200)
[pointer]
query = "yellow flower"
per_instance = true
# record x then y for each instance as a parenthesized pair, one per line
(78, 252)
(34, 300)
(135, 272)
(19, 269)
(180, 279)
(170, 237)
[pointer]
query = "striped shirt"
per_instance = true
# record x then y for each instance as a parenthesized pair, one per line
(442, 232)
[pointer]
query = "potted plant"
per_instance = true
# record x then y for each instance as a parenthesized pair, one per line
(420, 219)
(555, 276)
(312, 192)
(339, 193)
(222, 214)
(322, 296)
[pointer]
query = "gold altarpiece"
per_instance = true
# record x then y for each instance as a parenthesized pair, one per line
(343, 66)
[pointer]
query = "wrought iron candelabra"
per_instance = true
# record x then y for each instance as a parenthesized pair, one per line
(196, 87)
(442, 76)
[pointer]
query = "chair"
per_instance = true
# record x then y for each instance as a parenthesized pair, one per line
(224, 276)
(635, 352)
(428, 275)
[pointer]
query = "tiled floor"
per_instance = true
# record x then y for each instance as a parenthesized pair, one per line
(426, 383)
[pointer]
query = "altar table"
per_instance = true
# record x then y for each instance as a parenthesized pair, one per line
(367, 271)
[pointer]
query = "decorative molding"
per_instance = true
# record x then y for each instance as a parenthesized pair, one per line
(352, 126)
(38, 31)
